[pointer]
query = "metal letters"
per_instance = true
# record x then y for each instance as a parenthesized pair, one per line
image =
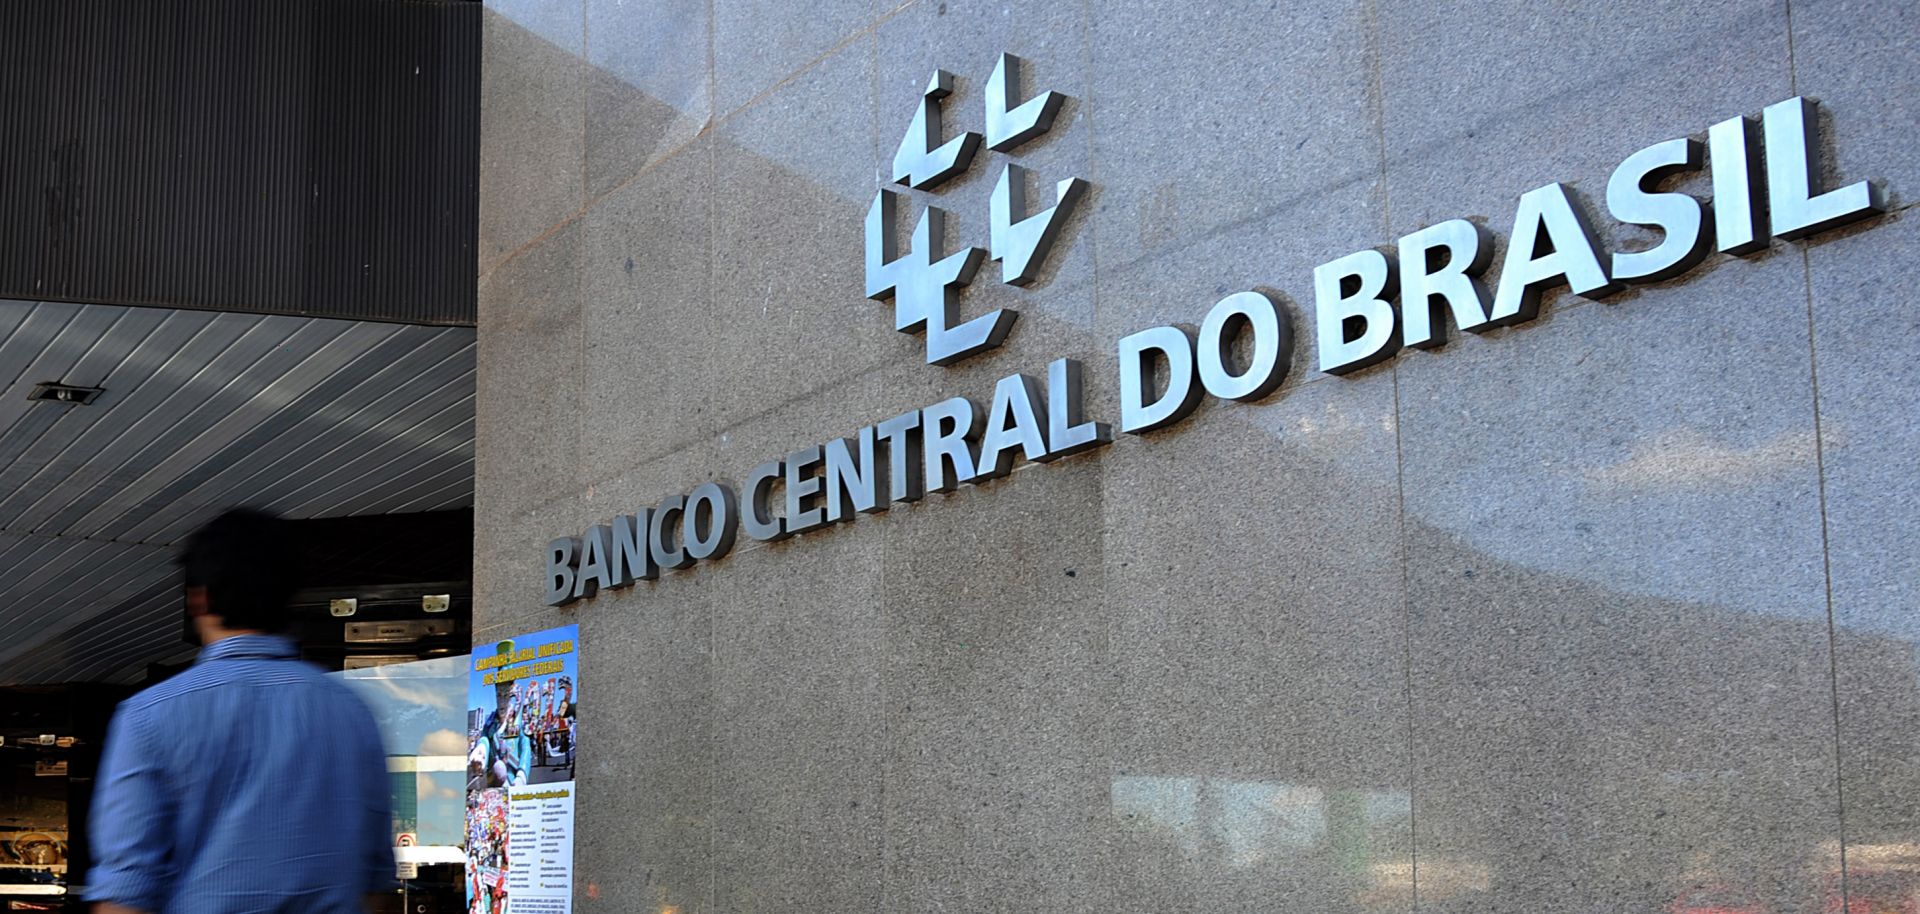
(1021, 245)
(560, 555)
(1464, 250)
(1546, 218)
(593, 572)
(669, 550)
(1009, 126)
(1272, 335)
(1794, 203)
(1067, 432)
(759, 520)
(949, 429)
(922, 287)
(922, 161)
(1367, 305)
(712, 517)
(854, 484)
(904, 471)
(1012, 422)
(1182, 393)
(922, 283)
(1678, 216)
(1735, 159)
(1353, 289)
(630, 559)
(803, 491)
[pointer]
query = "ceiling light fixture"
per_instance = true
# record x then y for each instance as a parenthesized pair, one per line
(53, 392)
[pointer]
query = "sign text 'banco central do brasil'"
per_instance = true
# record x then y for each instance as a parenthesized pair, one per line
(1367, 305)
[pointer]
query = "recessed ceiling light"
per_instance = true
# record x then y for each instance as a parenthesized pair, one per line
(52, 392)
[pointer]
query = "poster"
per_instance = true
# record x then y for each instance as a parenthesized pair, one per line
(522, 698)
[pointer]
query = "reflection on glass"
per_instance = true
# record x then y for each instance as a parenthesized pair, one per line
(419, 709)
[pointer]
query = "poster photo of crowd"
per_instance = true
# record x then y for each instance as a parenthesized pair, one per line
(522, 739)
(521, 704)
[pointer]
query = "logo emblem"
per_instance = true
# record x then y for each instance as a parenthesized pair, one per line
(923, 282)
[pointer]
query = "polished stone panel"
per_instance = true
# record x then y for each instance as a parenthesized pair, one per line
(1484, 103)
(966, 38)
(1867, 339)
(1618, 627)
(997, 686)
(649, 85)
(1258, 656)
(509, 566)
(644, 810)
(1275, 254)
(532, 123)
(648, 324)
(1537, 621)
(1211, 115)
(759, 43)
(528, 416)
(1858, 57)
(799, 764)
(789, 303)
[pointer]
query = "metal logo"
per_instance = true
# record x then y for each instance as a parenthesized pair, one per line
(923, 283)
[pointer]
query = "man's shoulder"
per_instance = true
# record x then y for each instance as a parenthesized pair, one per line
(185, 683)
(201, 680)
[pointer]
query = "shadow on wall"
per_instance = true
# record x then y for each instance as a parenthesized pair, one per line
(1573, 744)
(1570, 744)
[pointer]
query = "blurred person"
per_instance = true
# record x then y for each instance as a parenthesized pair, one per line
(250, 781)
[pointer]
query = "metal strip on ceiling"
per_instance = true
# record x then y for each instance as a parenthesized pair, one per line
(201, 411)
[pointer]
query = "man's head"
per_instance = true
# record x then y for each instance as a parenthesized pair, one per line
(240, 571)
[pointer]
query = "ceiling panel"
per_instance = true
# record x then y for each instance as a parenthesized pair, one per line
(201, 411)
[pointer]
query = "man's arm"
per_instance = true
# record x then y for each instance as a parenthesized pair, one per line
(132, 822)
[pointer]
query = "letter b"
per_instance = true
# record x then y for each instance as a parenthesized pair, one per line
(560, 555)
(1354, 288)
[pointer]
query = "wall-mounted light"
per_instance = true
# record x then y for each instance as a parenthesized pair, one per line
(53, 392)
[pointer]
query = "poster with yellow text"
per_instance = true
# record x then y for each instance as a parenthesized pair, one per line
(522, 730)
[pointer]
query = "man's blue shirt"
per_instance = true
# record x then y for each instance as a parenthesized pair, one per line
(248, 783)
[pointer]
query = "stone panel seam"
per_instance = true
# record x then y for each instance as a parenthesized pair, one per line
(586, 58)
(1093, 156)
(1793, 83)
(713, 608)
(1110, 672)
(521, 619)
(713, 66)
(580, 87)
(1406, 645)
(582, 250)
(871, 28)
(884, 707)
(886, 714)
(1826, 574)
(1378, 102)
(712, 753)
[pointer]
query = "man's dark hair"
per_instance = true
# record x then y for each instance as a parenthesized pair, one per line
(247, 562)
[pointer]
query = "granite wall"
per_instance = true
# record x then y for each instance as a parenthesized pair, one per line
(1614, 610)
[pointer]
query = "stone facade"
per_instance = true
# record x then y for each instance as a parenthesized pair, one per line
(1613, 610)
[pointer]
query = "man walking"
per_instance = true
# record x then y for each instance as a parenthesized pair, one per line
(249, 782)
